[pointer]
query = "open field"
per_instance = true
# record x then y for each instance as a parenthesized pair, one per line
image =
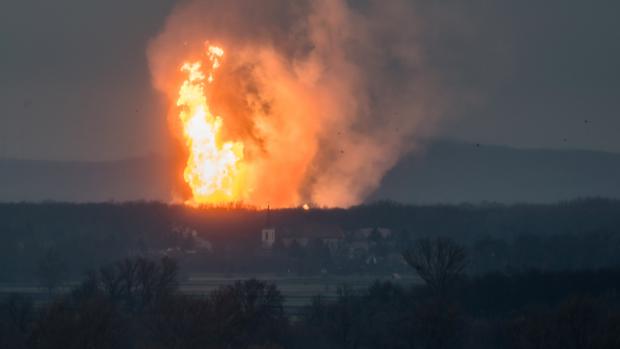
(297, 290)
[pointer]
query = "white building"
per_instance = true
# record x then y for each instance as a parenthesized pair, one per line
(268, 237)
(330, 236)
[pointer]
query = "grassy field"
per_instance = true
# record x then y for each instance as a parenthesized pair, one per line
(297, 290)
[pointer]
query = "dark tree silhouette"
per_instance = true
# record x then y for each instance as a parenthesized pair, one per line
(92, 322)
(136, 283)
(182, 322)
(439, 262)
(248, 313)
(16, 318)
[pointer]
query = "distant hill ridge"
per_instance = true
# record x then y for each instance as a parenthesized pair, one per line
(143, 178)
(444, 172)
(448, 172)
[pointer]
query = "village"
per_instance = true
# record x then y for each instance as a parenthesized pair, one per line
(304, 250)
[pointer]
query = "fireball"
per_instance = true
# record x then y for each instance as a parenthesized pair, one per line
(213, 171)
(298, 102)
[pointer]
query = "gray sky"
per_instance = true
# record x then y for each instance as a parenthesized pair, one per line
(74, 82)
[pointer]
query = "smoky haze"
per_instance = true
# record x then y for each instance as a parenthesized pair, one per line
(76, 82)
(318, 91)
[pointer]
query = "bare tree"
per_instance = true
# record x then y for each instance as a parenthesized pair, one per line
(248, 314)
(439, 262)
(137, 283)
(92, 322)
(17, 314)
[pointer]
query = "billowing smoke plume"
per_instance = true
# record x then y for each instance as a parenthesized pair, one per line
(326, 95)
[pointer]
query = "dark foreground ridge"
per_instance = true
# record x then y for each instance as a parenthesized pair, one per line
(151, 275)
(135, 303)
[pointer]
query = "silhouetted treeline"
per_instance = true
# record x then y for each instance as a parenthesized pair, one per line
(135, 303)
(72, 238)
(492, 311)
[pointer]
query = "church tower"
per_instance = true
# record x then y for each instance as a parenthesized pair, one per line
(268, 233)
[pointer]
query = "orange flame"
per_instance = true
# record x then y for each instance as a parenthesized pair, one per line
(213, 170)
